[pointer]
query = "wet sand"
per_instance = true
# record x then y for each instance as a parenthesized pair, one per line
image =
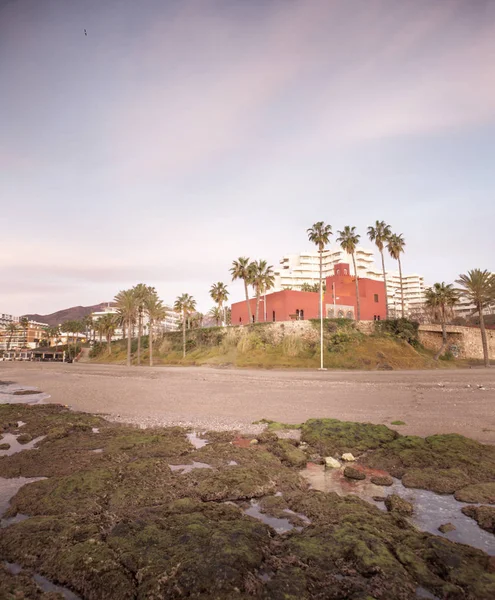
(443, 401)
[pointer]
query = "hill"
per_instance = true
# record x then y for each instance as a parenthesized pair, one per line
(75, 313)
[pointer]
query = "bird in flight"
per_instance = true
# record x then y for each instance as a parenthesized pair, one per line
(85, 32)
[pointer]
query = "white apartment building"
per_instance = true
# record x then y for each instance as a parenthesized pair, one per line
(298, 269)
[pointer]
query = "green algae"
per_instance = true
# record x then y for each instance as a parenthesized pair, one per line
(482, 493)
(330, 436)
(122, 524)
(483, 515)
(440, 463)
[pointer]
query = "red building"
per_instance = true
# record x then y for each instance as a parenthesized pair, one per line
(339, 301)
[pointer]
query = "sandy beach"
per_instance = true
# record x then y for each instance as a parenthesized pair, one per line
(443, 401)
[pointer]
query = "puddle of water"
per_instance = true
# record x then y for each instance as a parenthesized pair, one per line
(10, 487)
(188, 468)
(430, 510)
(97, 450)
(196, 441)
(13, 393)
(95, 429)
(12, 520)
(45, 584)
(10, 438)
(280, 525)
(264, 576)
(421, 592)
(303, 518)
(20, 424)
(232, 463)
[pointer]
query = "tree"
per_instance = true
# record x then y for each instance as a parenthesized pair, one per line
(348, 240)
(185, 305)
(441, 298)
(479, 288)
(395, 246)
(107, 324)
(216, 314)
(99, 328)
(312, 287)
(262, 278)
(24, 323)
(127, 307)
(220, 294)
(11, 330)
(320, 234)
(380, 233)
(156, 312)
(241, 269)
(141, 292)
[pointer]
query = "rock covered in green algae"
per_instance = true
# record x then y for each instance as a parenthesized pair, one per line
(126, 526)
(481, 493)
(483, 515)
(384, 480)
(352, 473)
(289, 453)
(21, 586)
(440, 463)
(395, 503)
(331, 436)
(4, 446)
(446, 527)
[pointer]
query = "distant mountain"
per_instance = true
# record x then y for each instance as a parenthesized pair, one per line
(75, 313)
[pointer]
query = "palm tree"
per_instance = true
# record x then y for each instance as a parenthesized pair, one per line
(141, 292)
(184, 305)
(11, 329)
(220, 294)
(379, 233)
(320, 234)
(156, 312)
(127, 306)
(395, 246)
(24, 323)
(479, 288)
(241, 270)
(107, 324)
(262, 279)
(441, 298)
(216, 314)
(349, 239)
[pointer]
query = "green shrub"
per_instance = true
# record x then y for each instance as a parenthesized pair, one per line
(339, 341)
(400, 328)
(447, 356)
(96, 350)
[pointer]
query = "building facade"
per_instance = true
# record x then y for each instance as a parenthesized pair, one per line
(339, 301)
(22, 337)
(299, 269)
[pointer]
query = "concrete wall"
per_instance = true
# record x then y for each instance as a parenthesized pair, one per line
(465, 342)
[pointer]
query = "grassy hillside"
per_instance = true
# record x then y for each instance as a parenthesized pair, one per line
(262, 346)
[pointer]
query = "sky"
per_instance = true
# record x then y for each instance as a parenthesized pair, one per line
(178, 135)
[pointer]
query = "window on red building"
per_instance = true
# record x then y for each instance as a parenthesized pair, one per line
(376, 298)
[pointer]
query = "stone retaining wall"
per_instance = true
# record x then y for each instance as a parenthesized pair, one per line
(464, 342)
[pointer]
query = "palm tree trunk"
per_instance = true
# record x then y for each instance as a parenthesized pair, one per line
(358, 304)
(129, 341)
(151, 341)
(486, 356)
(444, 336)
(401, 287)
(321, 282)
(250, 316)
(257, 304)
(140, 332)
(385, 282)
(221, 312)
(109, 343)
(184, 335)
